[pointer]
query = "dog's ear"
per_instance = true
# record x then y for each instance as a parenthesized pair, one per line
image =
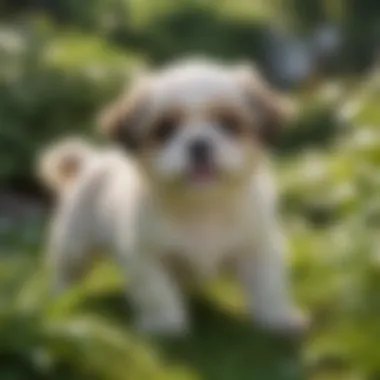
(270, 110)
(120, 121)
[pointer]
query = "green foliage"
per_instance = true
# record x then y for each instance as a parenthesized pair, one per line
(52, 84)
(48, 338)
(331, 198)
(61, 61)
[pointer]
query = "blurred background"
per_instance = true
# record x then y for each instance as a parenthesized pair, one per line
(62, 60)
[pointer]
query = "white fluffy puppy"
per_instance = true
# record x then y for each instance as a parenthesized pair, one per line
(195, 191)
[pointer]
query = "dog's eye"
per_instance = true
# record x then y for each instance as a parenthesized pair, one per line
(230, 123)
(164, 129)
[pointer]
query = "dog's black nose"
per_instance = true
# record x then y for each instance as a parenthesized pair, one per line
(200, 151)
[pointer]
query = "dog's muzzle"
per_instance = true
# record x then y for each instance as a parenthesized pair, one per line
(200, 152)
(202, 165)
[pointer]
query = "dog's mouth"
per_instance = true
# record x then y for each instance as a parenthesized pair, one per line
(203, 174)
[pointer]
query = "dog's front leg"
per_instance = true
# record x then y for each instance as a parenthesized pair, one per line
(157, 299)
(264, 276)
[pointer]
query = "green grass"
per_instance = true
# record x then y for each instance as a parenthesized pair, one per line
(94, 319)
(223, 343)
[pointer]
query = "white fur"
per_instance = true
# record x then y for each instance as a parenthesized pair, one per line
(117, 203)
(191, 87)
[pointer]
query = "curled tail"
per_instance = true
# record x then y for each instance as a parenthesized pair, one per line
(60, 164)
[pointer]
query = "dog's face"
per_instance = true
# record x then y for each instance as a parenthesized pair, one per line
(197, 124)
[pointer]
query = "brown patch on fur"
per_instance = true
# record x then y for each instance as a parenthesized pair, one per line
(272, 109)
(232, 120)
(118, 121)
(61, 163)
(69, 167)
(164, 126)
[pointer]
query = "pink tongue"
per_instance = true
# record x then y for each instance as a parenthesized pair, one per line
(203, 173)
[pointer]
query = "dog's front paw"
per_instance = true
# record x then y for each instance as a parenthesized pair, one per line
(293, 325)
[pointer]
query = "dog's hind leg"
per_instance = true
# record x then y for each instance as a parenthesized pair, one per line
(73, 237)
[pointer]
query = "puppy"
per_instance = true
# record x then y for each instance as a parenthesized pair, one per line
(189, 183)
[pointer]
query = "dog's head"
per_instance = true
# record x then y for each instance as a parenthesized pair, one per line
(197, 124)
